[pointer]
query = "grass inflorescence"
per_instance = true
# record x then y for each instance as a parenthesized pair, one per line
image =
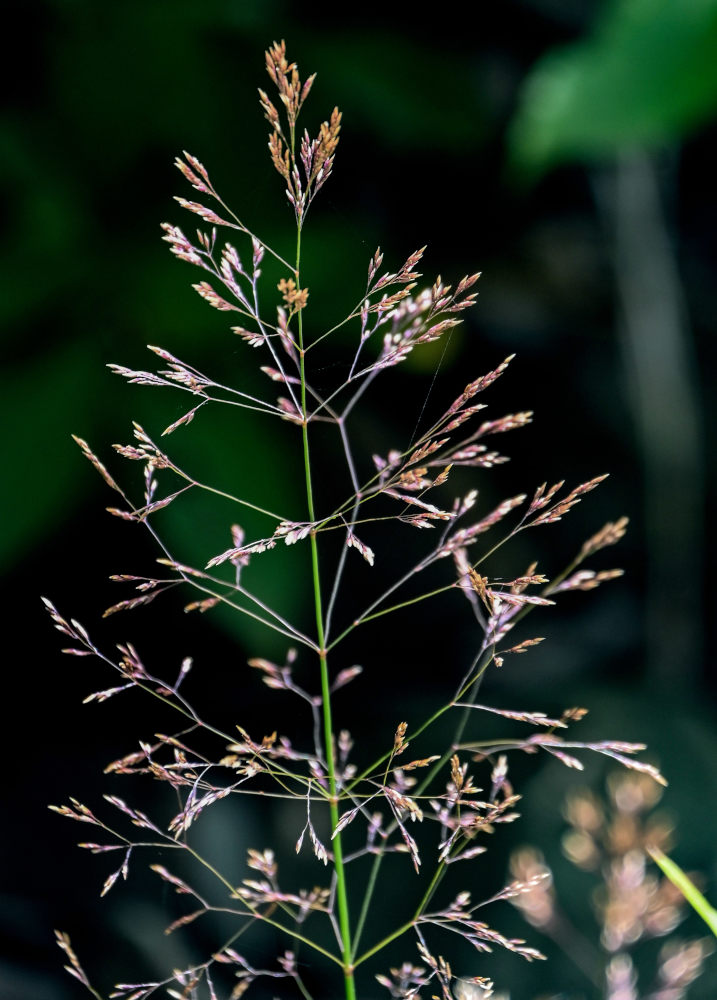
(412, 797)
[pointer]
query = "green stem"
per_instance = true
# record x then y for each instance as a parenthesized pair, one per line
(302, 989)
(341, 890)
(437, 876)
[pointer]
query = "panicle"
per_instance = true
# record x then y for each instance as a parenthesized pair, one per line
(386, 802)
(316, 156)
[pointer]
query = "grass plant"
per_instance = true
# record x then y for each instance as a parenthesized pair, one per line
(356, 808)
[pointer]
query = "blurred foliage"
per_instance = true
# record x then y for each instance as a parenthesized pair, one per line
(645, 74)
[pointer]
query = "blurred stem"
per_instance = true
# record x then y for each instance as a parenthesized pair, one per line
(688, 889)
(663, 392)
(411, 923)
(384, 941)
(579, 949)
(368, 894)
(437, 876)
(341, 891)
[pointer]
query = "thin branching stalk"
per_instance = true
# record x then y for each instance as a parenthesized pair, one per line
(377, 807)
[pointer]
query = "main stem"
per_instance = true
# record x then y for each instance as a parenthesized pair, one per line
(341, 893)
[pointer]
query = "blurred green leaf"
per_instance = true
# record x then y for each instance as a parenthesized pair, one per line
(646, 74)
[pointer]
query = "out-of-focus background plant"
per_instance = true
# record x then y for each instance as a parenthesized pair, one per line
(610, 838)
(568, 150)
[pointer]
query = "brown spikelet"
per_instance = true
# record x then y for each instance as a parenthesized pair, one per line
(208, 214)
(465, 283)
(541, 498)
(326, 148)
(253, 338)
(508, 423)
(399, 744)
(556, 512)
(204, 605)
(374, 265)
(209, 295)
(425, 450)
(585, 579)
(353, 542)
(74, 968)
(457, 772)
(186, 418)
(133, 602)
(480, 384)
(524, 645)
(90, 455)
(574, 714)
(609, 534)
(194, 172)
(270, 112)
(294, 297)
(423, 762)
(414, 479)
(479, 584)
(279, 155)
(442, 476)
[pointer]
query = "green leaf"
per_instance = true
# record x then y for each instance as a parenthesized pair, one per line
(646, 75)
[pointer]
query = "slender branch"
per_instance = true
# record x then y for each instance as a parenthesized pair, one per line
(248, 232)
(359, 392)
(366, 903)
(383, 942)
(226, 496)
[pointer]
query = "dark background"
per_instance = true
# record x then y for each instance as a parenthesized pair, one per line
(565, 150)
